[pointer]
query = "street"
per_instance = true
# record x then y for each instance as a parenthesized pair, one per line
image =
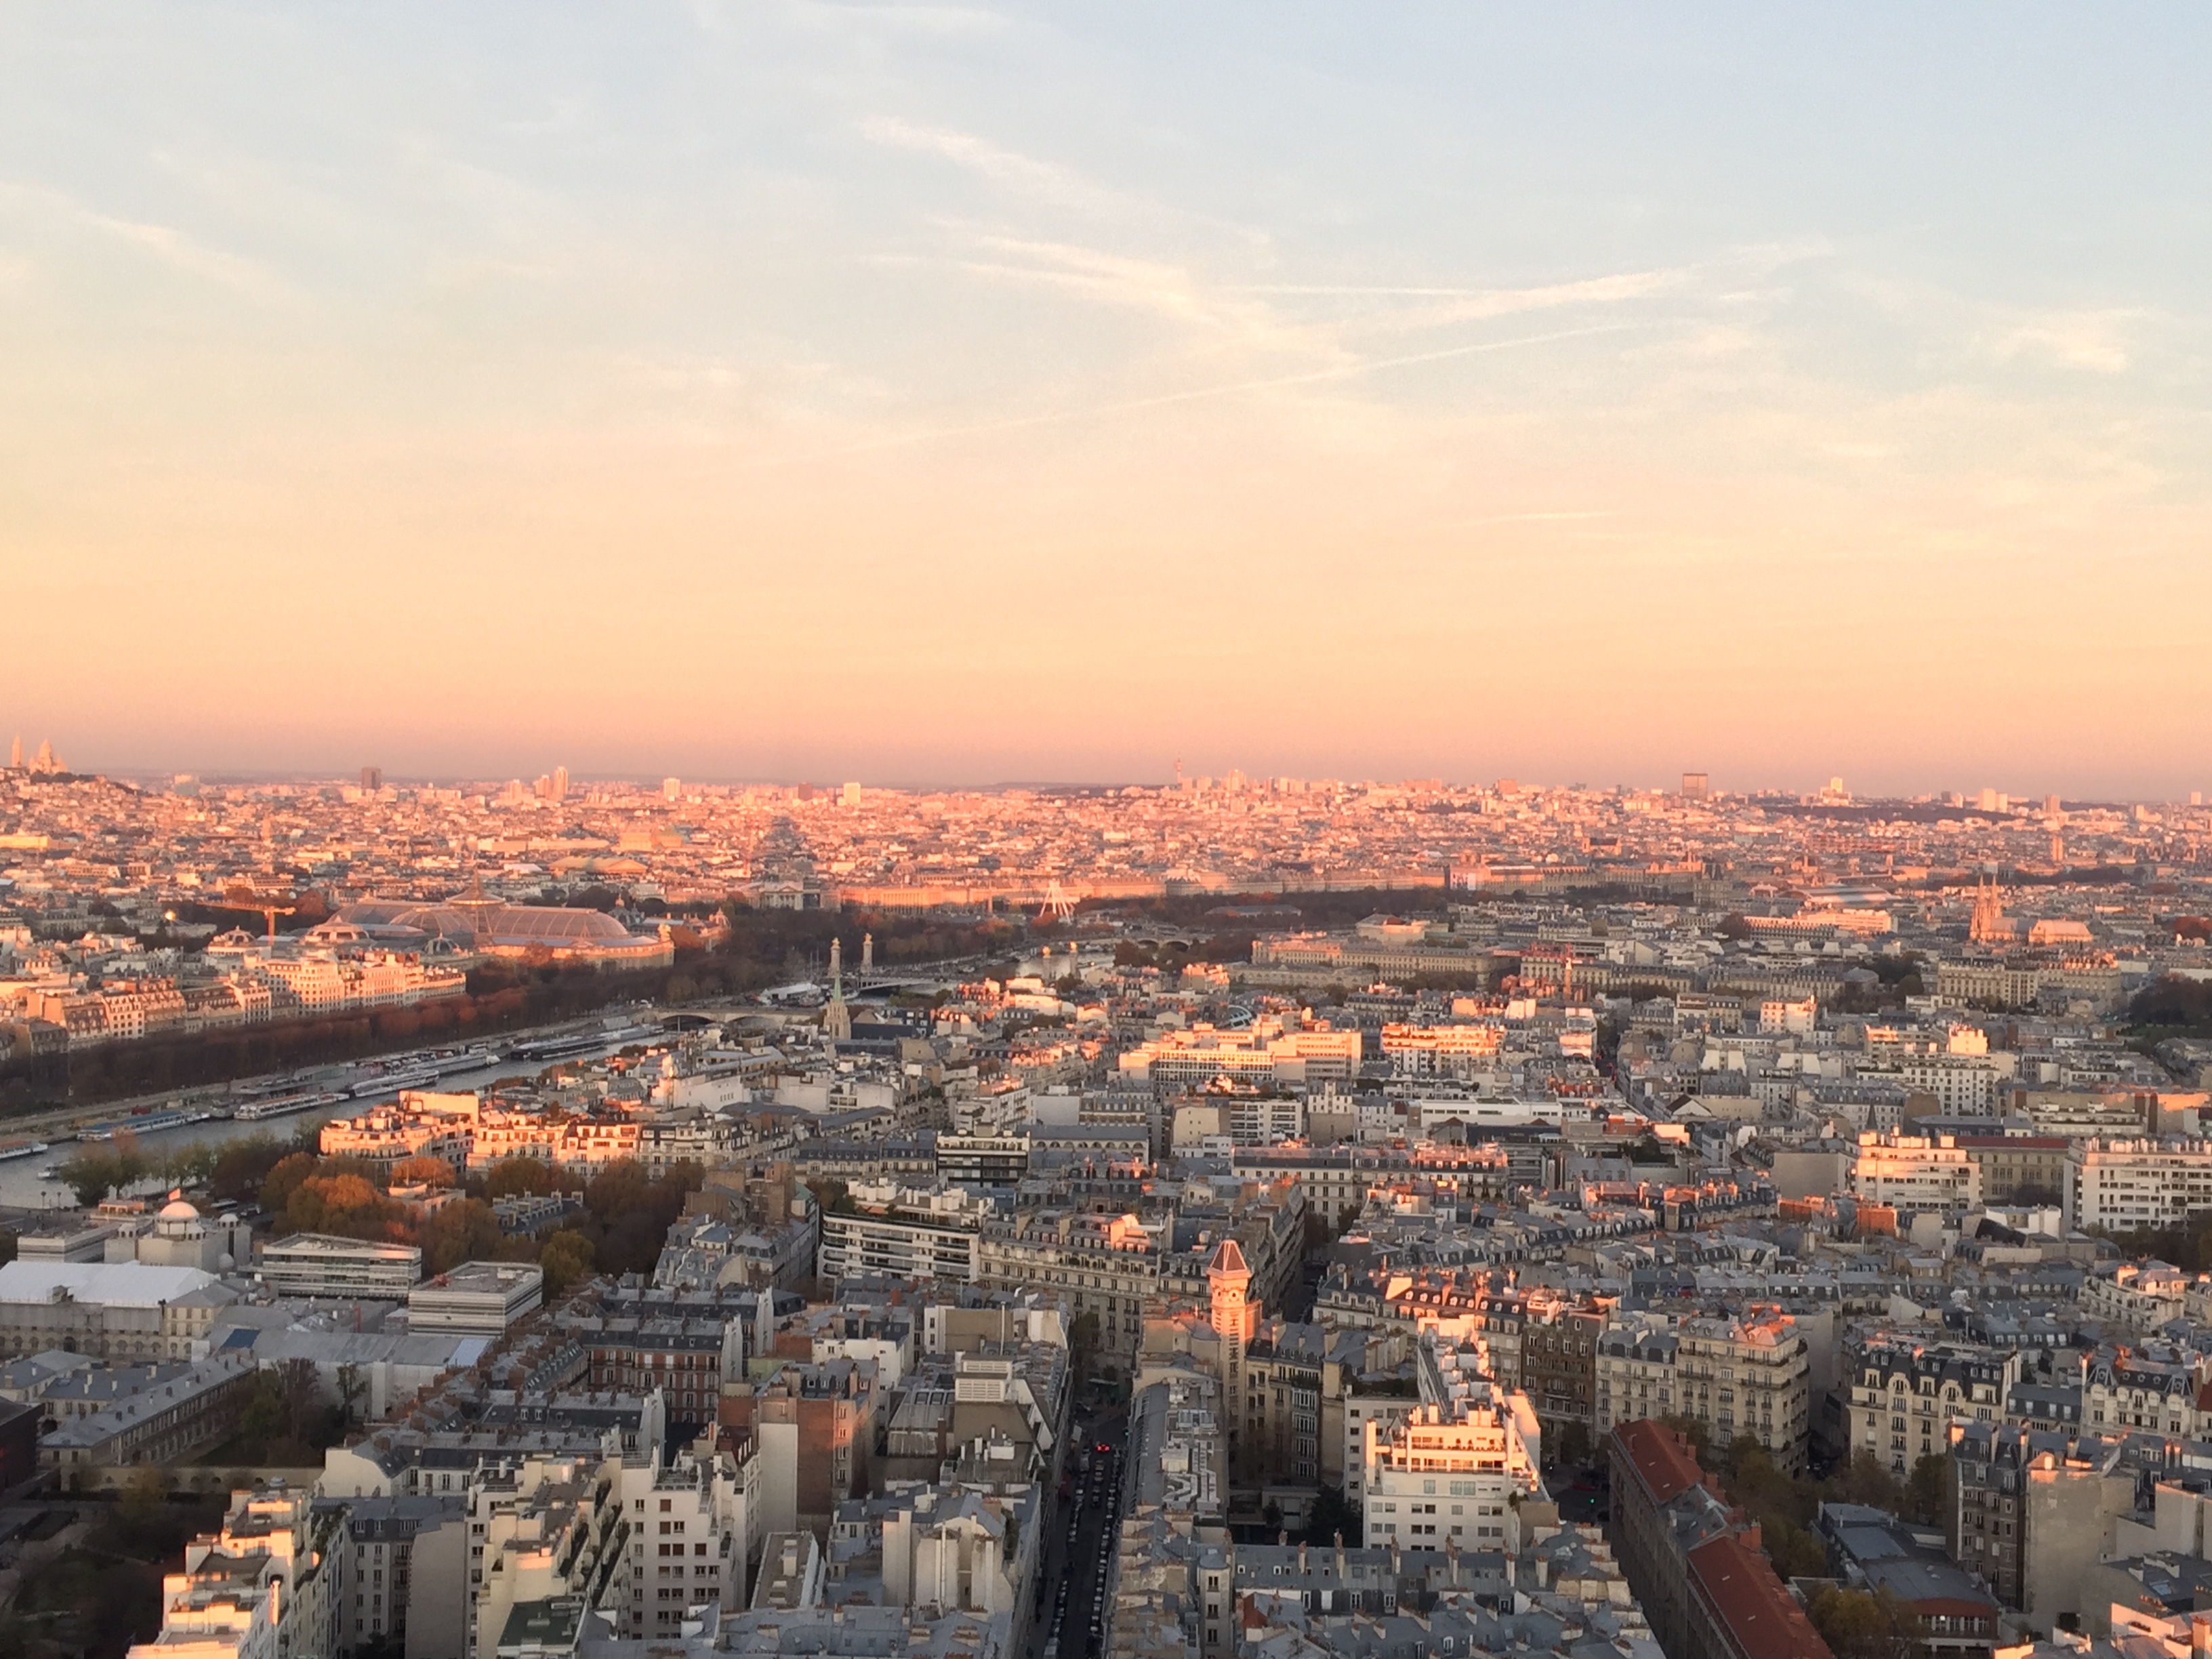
(1091, 1497)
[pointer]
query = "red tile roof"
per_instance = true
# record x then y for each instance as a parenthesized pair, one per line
(1662, 1458)
(1762, 1620)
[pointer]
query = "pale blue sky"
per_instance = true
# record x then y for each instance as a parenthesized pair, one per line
(971, 392)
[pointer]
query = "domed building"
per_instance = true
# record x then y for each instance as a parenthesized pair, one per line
(179, 1237)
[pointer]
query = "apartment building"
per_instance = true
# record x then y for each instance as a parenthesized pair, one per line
(2034, 1513)
(1695, 1568)
(2018, 1168)
(1106, 1266)
(1903, 1395)
(265, 1585)
(408, 1580)
(1447, 1474)
(686, 1543)
(2118, 1184)
(2124, 1391)
(1738, 1375)
(1910, 1172)
(1965, 1086)
(1559, 1359)
(905, 1232)
(2138, 1295)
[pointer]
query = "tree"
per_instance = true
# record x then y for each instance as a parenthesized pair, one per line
(1572, 1449)
(263, 1420)
(1857, 1625)
(423, 1171)
(566, 1259)
(1868, 1481)
(353, 1387)
(300, 1386)
(93, 1174)
(1331, 1516)
(143, 1495)
(241, 1166)
(1928, 1492)
(454, 1233)
(284, 1178)
(518, 1177)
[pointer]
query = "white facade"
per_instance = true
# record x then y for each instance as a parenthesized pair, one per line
(2122, 1184)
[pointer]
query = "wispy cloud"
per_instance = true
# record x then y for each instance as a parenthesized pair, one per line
(1045, 181)
(1168, 290)
(1200, 394)
(163, 243)
(2096, 341)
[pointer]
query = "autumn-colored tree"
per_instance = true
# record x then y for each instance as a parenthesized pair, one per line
(283, 1180)
(346, 1205)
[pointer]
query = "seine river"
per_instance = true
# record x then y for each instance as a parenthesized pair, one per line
(21, 1185)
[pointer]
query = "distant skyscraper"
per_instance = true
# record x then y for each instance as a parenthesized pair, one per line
(672, 788)
(16, 754)
(560, 783)
(1696, 786)
(852, 794)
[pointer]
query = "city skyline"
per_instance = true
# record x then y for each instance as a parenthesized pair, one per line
(568, 783)
(972, 393)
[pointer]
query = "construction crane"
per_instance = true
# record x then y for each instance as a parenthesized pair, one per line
(260, 904)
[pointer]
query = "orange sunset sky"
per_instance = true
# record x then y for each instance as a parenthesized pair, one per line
(941, 393)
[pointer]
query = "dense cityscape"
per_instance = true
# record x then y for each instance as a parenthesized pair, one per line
(992, 829)
(1236, 1217)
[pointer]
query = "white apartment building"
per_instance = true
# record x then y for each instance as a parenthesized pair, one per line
(1447, 1474)
(1964, 1084)
(1914, 1172)
(2121, 1184)
(1266, 1122)
(907, 1232)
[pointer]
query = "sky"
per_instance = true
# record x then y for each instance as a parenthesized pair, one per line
(948, 393)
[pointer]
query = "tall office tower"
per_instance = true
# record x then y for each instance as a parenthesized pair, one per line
(560, 783)
(1696, 786)
(672, 788)
(852, 794)
(371, 777)
(16, 756)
